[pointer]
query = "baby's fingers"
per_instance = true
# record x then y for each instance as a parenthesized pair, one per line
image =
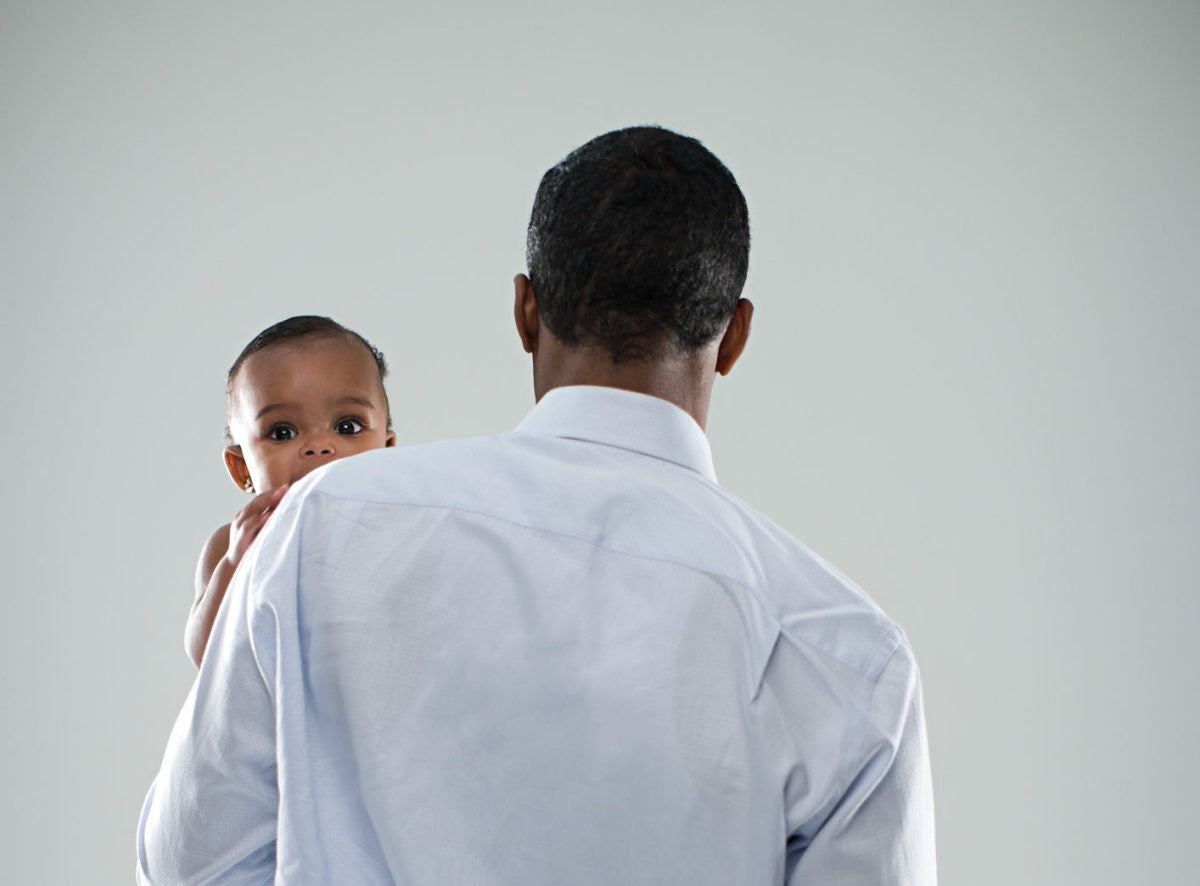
(251, 519)
(269, 501)
(265, 501)
(262, 504)
(255, 513)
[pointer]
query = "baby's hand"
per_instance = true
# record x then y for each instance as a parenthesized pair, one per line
(250, 521)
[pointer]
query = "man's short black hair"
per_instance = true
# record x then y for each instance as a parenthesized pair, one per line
(639, 243)
(293, 329)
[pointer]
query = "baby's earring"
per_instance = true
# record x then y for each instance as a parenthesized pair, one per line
(248, 485)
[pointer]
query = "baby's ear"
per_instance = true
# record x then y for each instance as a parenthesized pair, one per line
(391, 439)
(236, 465)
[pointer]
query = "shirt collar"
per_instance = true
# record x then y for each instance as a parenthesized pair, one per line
(629, 420)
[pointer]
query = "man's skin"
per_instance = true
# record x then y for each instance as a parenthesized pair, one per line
(683, 379)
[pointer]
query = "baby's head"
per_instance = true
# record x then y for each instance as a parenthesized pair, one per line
(304, 392)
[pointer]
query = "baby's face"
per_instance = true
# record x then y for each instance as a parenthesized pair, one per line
(298, 405)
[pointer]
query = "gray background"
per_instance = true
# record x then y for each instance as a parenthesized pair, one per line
(972, 382)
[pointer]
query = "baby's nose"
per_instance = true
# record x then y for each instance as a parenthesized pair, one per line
(322, 445)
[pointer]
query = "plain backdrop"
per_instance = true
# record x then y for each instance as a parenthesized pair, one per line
(972, 382)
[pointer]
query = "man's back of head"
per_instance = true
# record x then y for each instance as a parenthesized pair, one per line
(639, 242)
(638, 247)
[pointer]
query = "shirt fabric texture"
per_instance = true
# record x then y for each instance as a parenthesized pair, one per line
(561, 655)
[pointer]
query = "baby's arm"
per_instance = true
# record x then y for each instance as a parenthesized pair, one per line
(218, 561)
(213, 573)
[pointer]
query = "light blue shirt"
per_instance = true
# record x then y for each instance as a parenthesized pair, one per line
(561, 655)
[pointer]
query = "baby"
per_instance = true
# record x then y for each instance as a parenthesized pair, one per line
(303, 393)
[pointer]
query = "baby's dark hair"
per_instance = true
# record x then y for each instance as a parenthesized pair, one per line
(292, 329)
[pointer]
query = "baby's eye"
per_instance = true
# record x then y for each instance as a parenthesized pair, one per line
(282, 433)
(349, 426)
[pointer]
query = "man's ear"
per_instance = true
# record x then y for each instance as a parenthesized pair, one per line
(235, 463)
(390, 441)
(733, 342)
(525, 313)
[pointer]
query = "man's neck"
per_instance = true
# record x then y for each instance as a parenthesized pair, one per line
(685, 381)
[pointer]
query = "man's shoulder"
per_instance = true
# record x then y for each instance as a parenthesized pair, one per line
(630, 505)
(504, 476)
(398, 474)
(816, 606)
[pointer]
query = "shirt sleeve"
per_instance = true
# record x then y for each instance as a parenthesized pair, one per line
(210, 815)
(881, 832)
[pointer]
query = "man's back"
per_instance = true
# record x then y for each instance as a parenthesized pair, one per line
(564, 655)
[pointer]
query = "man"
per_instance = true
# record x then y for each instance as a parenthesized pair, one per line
(562, 655)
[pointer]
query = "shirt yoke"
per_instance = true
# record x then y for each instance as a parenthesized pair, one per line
(632, 504)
